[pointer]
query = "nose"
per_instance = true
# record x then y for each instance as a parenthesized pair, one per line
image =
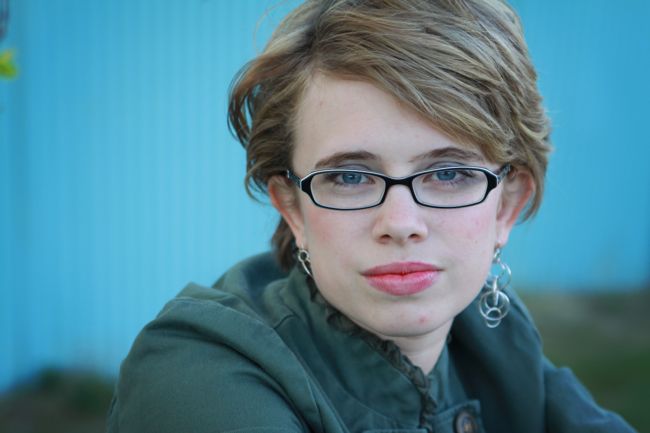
(399, 218)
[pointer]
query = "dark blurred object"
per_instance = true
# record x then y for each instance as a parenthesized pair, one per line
(603, 338)
(57, 401)
(4, 17)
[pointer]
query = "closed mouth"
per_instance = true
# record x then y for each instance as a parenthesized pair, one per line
(402, 278)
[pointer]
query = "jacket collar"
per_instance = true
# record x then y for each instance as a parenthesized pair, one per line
(356, 364)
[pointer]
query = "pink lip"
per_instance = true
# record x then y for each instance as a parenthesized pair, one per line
(402, 278)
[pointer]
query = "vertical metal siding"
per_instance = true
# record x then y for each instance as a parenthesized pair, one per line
(123, 183)
(120, 182)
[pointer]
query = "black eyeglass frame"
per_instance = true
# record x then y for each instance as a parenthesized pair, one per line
(493, 180)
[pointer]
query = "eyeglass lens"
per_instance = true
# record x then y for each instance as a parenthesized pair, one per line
(451, 187)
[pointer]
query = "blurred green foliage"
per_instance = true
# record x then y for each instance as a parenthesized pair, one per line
(602, 337)
(7, 67)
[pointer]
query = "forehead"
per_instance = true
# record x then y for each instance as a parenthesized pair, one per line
(337, 116)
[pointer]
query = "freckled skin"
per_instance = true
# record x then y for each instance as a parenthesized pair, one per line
(337, 116)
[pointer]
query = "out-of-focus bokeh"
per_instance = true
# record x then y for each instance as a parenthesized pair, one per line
(119, 183)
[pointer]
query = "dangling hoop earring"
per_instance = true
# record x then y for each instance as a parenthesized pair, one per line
(303, 258)
(494, 303)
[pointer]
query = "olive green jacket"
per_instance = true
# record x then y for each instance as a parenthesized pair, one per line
(263, 352)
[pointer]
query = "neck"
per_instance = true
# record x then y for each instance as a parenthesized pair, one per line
(423, 350)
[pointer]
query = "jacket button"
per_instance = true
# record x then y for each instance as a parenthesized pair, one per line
(466, 422)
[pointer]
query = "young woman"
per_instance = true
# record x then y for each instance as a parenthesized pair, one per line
(400, 140)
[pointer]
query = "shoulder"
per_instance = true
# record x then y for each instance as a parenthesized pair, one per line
(211, 361)
(505, 368)
(571, 408)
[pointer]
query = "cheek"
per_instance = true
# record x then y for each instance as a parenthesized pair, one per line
(473, 226)
(330, 232)
(472, 239)
(334, 240)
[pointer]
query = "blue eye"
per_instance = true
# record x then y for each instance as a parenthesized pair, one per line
(446, 175)
(351, 178)
(344, 179)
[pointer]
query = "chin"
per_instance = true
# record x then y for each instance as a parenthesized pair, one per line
(423, 325)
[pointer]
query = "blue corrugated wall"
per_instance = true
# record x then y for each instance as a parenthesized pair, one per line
(119, 182)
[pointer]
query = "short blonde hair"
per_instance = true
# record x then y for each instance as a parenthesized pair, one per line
(463, 64)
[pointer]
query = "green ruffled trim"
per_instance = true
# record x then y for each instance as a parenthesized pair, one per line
(387, 348)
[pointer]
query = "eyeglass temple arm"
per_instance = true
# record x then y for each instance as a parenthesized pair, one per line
(292, 177)
(503, 172)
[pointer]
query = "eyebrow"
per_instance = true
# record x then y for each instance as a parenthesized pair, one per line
(458, 153)
(338, 158)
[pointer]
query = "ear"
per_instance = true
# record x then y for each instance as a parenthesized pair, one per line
(283, 197)
(517, 189)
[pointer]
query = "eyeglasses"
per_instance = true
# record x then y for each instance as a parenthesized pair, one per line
(446, 188)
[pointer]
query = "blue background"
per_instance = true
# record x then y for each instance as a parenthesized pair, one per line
(119, 182)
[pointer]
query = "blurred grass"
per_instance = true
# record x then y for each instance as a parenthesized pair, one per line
(603, 337)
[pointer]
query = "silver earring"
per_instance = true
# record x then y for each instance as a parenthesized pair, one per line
(303, 258)
(494, 303)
